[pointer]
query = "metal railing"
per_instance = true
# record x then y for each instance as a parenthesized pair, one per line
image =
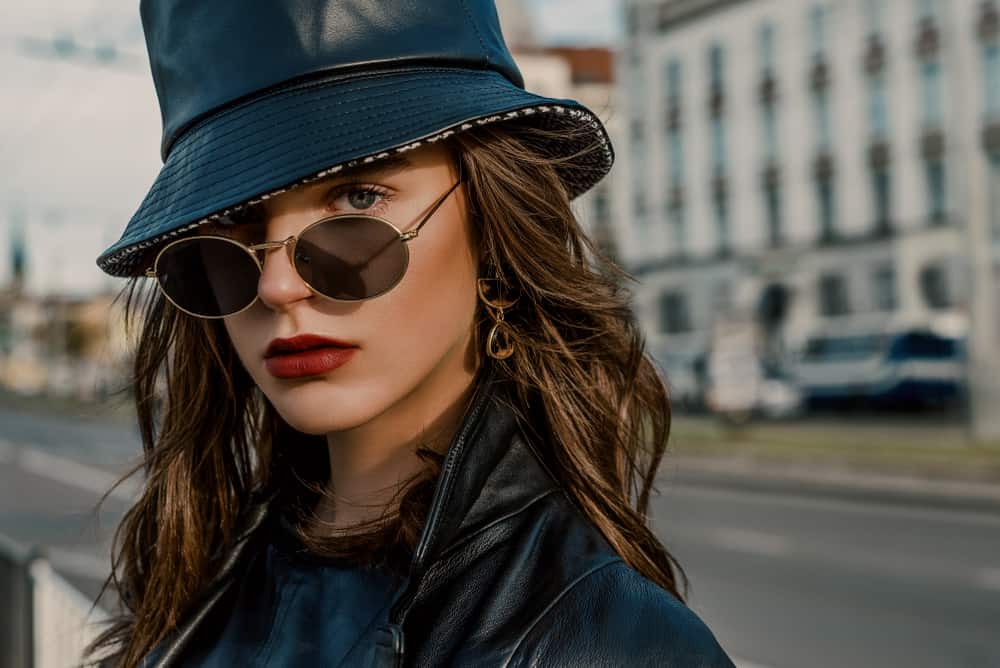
(45, 622)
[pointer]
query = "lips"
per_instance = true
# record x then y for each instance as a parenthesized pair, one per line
(306, 355)
(303, 342)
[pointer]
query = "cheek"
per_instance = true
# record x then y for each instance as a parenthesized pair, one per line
(420, 327)
(432, 308)
(241, 334)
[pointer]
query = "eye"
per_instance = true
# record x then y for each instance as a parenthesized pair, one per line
(355, 198)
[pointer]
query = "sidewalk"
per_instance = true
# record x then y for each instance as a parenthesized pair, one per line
(916, 459)
(116, 409)
(922, 460)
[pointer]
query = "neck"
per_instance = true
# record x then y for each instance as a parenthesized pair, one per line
(370, 462)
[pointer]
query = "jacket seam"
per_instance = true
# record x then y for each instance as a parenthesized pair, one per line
(479, 36)
(548, 609)
(452, 462)
(503, 518)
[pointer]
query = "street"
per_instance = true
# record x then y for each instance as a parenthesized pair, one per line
(784, 580)
(790, 581)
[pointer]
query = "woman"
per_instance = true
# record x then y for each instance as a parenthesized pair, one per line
(407, 417)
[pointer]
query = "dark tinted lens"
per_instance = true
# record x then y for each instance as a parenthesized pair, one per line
(208, 276)
(351, 257)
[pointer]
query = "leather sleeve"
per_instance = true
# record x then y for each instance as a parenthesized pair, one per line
(614, 616)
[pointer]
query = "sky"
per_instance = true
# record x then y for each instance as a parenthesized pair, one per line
(577, 21)
(79, 141)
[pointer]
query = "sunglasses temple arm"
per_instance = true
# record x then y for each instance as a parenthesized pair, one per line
(437, 205)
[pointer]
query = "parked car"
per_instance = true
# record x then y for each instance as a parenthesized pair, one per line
(909, 367)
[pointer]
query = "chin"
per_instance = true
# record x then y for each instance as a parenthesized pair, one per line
(318, 409)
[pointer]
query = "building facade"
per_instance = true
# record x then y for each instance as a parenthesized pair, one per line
(804, 164)
(585, 74)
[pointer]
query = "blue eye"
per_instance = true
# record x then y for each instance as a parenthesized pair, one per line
(362, 199)
(357, 198)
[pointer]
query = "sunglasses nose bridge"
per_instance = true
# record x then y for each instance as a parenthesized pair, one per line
(288, 244)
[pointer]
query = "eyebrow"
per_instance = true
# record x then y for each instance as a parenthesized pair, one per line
(380, 168)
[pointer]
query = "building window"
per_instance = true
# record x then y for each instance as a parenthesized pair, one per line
(770, 133)
(718, 129)
(769, 110)
(881, 184)
(772, 195)
(716, 64)
(767, 50)
(716, 58)
(873, 14)
(676, 218)
(602, 207)
(674, 81)
(818, 29)
(632, 20)
(994, 191)
(638, 132)
(930, 75)
(675, 153)
(722, 296)
(722, 221)
(639, 204)
(675, 136)
(676, 147)
(674, 315)
(878, 115)
(937, 197)
(718, 146)
(934, 286)
(833, 295)
(826, 204)
(884, 280)
(821, 107)
(991, 71)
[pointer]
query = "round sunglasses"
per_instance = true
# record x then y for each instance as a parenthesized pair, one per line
(346, 257)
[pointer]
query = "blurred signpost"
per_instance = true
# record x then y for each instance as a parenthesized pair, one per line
(734, 373)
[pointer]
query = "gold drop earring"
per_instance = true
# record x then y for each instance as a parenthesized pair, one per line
(499, 342)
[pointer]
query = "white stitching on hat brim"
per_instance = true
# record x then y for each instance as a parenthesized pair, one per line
(116, 265)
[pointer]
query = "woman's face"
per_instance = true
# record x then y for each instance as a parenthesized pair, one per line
(414, 339)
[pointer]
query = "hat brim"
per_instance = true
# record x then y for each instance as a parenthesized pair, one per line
(265, 145)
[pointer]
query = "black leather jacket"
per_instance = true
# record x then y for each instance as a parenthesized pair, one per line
(508, 572)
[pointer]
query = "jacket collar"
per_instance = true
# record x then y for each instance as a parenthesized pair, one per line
(489, 472)
(489, 469)
(478, 445)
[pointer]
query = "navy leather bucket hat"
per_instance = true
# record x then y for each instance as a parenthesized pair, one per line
(258, 96)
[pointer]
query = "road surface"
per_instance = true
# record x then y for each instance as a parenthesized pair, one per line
(784, 580)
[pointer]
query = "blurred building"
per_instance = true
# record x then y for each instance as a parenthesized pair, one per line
(57, 345)
(803, 164)
(586, 74)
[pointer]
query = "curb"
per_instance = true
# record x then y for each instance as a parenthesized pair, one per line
(831, 483)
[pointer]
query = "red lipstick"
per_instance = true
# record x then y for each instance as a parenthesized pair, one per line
(306, 355)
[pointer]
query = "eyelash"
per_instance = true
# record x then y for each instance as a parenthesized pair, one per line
(384, 195)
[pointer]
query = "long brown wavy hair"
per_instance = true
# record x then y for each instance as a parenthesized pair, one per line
(580, 375)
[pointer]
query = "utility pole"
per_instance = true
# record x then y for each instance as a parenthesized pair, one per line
(983, 349)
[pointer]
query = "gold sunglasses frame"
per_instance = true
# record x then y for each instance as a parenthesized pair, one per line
(289, 244)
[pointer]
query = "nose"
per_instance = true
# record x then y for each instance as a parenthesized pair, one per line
(279, 284)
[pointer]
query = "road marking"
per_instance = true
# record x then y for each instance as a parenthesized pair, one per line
(802, 500)
(76, 474)
(755, 542)
(740, 663)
